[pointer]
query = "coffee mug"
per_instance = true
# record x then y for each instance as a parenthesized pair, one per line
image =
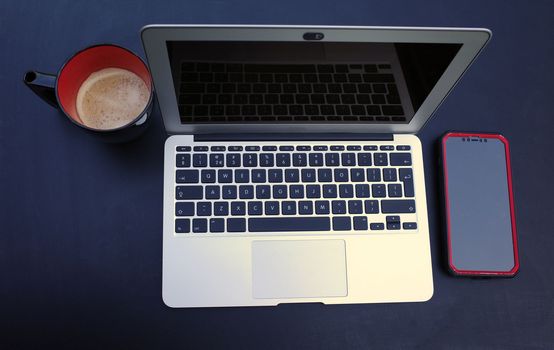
(100, 64)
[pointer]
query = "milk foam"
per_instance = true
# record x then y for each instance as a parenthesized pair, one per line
(110, 98)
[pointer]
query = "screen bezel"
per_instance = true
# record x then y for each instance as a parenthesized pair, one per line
(155, 37)
(455, 270)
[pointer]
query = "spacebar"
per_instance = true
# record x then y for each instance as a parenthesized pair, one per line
(289, 224)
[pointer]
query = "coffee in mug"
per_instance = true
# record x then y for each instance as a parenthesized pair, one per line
(110, 98)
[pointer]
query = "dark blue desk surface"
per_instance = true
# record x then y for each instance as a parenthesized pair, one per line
(80, 221)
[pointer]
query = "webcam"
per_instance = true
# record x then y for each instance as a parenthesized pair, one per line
(313, 36)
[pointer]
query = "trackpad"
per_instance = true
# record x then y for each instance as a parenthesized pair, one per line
(298, 269)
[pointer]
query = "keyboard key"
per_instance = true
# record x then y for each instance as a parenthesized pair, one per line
(186, 176)
(255, 208)
(377, 226)
(204, 209)
(188, 192)
(199, 225)
(234, 148)
(242, 176)
(292, 175)
(357, 175)
(370, 148)
(393, 218)
(332, 159)
(362, 191)
(316, 159)
(207, 176)
(403, 148)
(355, 207)
(305, 208)
(341, 175)
(360, 223)
(348, 159)
(246, 192)
(380, 159)
(263, 192)
(337, 148)
(182, 225)
(183, 148)
(229, 192)
(322, 207)
(252, 148)
(269, 148)
(371, 206)
(200, 160)
(398, 206)
(183, 160)
(393, 225)
(308, 175)
(221, 208)
(386, 148)
(288, 208)
(272, 208)
(378, 191)
(216, 225)
(282, 159)
(320, 148)
(296, 191)
(400, 159)
(324, 175)
(236, 225)
(238, 208)
(275, 175)
(346, 191)
(258, 175)
(217, 160)
(233, 159)
(289, 224)
(184, 209)
(224, 176)
(407, 179)
(200, 148)
(389, 174)
(313, 191)
(299, 159)
(212, 192)
(339, 207)
(279, 191)
(373, 175)
(329, 191)
(409, 226)
(394, 190)
(341, 223)
(303, 148)
(266, 160)
(364, 159)
(249, 160)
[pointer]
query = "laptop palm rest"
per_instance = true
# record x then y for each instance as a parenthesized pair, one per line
(298, 269)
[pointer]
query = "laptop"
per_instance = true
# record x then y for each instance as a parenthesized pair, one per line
(293, 173)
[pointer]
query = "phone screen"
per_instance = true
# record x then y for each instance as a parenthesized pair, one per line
(478, 204)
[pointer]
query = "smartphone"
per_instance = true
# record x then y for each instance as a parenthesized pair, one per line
(479, 205)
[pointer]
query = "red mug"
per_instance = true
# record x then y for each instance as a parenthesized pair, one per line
(61, 90)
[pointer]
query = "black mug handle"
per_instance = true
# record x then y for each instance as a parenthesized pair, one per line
(44, 85)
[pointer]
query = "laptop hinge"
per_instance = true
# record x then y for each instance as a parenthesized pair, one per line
(293, 137)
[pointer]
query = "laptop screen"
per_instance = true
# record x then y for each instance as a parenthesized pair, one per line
(304, 82)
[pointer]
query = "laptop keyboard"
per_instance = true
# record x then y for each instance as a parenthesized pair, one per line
(237, 92)
(255, 189)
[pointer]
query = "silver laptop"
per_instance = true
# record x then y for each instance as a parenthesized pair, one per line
(293, 173)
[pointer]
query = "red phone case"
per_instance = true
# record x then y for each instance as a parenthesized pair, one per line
(453, 269)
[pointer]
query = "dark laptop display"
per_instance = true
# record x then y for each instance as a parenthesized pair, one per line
(305, 82)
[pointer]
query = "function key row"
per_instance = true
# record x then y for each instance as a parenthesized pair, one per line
(291, 148)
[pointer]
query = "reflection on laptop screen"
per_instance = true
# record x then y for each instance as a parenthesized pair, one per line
(305, 82)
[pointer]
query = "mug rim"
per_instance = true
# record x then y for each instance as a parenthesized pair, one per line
(105, 131)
